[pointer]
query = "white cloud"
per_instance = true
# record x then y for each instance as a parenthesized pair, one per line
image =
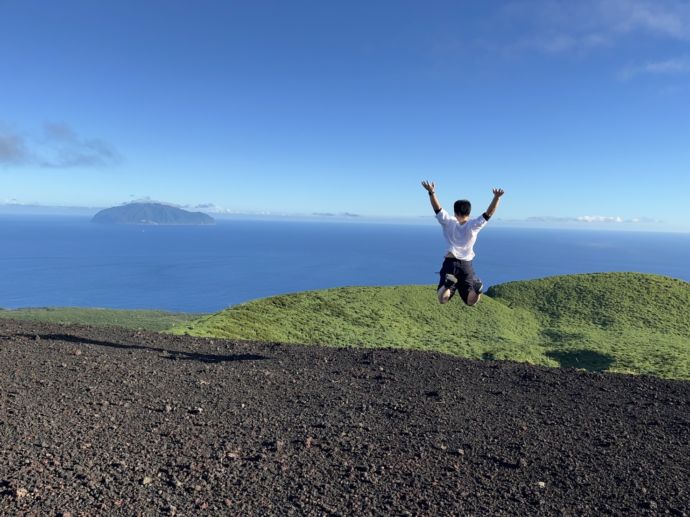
(671, 66)
(63, 148)
(676, 66)
(669, 18)
(598, 219)
(59, 146)
(210, 208)
(592, 219)
(558, 26)
(149, 199)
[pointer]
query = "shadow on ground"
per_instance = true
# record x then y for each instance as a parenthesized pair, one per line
(170, 354)
(585, 359)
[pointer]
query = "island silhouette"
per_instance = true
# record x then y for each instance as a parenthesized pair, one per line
(151, 213)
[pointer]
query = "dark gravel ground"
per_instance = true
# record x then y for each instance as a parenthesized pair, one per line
(114, 422)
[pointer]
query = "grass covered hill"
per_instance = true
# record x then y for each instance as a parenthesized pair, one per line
(131, 319)
(620, 322)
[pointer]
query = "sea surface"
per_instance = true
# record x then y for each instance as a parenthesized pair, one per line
(69, 261)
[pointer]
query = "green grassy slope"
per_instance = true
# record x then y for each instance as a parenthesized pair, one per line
(144, 320)
(402, 317)
(623, 322)
(604, 300)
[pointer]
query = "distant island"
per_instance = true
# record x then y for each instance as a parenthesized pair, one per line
(150, 213)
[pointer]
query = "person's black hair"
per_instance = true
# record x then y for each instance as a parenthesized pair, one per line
(462, 207)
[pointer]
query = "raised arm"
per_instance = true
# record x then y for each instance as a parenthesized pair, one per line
(431, 189)
(498, 192)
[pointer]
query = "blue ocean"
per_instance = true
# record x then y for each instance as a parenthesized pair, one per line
(69, 261)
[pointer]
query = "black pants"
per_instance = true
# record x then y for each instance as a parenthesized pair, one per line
(463, 271)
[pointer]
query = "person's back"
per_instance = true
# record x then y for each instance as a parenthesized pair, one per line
(460, 233)
(460, 236)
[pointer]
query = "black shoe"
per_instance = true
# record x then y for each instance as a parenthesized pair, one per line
(472, 298)
(478, 287)
(450, 282)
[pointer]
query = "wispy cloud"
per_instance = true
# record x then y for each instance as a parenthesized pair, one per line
(668, 67)
(149, 199)
(57, 146)
(13, 150)
(210, 208)
(599, 219)
(65, 148)
(557, 26)
(592, 219)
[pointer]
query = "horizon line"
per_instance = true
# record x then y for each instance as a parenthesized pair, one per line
(531, 222)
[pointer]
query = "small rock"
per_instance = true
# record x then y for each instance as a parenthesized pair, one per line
(541, 484)
(21, 492)
(147, 480)
(168, 408)
(196, 410)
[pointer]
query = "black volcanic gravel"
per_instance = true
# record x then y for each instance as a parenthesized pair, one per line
(115, 422)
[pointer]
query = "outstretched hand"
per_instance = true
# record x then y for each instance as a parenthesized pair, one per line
(498, 192)
(429, 186)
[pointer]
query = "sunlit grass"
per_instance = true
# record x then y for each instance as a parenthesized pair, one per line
(138, 319)
(619, 322)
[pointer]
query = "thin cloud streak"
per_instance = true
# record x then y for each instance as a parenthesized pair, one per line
(560, 26)
(59, 147)
(593, 219)
(668, 67)
(70, 150)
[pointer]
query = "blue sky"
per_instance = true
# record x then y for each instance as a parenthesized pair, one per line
(577, 109)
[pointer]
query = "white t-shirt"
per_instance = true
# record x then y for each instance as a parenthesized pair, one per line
(460, 237)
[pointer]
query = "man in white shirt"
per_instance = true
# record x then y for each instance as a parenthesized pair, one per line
(460, 233)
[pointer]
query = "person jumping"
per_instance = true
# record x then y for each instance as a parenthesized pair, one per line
(460, 233)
